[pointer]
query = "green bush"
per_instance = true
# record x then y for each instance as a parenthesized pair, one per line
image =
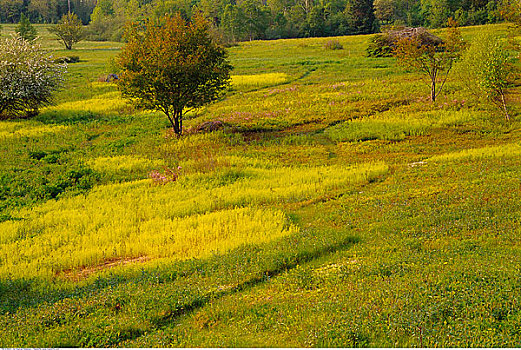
(67, 59)
(381, 45)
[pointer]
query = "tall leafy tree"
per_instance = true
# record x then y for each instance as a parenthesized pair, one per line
(233, 23)
(172, 66)
(10, 10)
(184, 7)
(316, 21)
(256, 18)
(360, 16)
(42, 9)
(511, 11)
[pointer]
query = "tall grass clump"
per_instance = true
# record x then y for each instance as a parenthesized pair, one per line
(123, 163)
(109, 102)
(395, 126)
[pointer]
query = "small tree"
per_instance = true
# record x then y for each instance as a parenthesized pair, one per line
(434, 59)
(25, 29)
(488, 71)
(69, 30)
(28, 78)
(172, 66)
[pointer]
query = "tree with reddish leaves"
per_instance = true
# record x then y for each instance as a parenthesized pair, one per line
(510, 10)
(434, 59)
(173, 66)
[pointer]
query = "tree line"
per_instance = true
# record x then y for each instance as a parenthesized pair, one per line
(239, 20)
(44, 11)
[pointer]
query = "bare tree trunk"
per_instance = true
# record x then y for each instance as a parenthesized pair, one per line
(434, 75)
(504, 105)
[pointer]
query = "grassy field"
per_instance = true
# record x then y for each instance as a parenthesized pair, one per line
(337, 207)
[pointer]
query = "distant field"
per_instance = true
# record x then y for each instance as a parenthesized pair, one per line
(337, 207)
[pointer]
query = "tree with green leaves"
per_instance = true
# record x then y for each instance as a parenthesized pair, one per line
(69, 30)
(25, 29)
(489, 71)
(232, 23)
(171, 65)
(255, 18)
(360, 16)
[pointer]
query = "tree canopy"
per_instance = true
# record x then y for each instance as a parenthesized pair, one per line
(239, 20)
(172, 65)
(69, 30)
(430, 56)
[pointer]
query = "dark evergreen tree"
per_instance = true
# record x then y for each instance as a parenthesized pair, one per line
(25, 29)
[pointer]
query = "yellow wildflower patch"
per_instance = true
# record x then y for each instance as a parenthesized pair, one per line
(259, 79)
(123, 163)
(503, 151)
(15, 130)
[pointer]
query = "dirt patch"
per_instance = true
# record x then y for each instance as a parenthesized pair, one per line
(79, 273)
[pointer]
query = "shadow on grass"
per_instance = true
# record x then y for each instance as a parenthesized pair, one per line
(77, 117)
(240, 269)
(257, 267)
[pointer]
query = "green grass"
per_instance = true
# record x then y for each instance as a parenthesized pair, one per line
(338, 207)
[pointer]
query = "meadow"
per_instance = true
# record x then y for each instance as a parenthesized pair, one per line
(337, 207)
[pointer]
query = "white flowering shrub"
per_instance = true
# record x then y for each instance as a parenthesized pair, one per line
(28, 78)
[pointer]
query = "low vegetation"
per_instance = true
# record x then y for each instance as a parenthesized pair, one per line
(336, 206)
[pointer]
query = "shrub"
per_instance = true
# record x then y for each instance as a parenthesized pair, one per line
(333, 45)
(67, 59)
(381, 45)
(28, 78)
(384, 45)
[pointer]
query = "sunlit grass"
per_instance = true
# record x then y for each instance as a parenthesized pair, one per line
(10, 130)
(123, 163)
(109, 102)
(393, 126)
(258, 80)
(502, 151)
(74, 238)
(138, 219)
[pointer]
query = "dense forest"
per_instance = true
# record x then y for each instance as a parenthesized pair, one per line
(239, 20)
